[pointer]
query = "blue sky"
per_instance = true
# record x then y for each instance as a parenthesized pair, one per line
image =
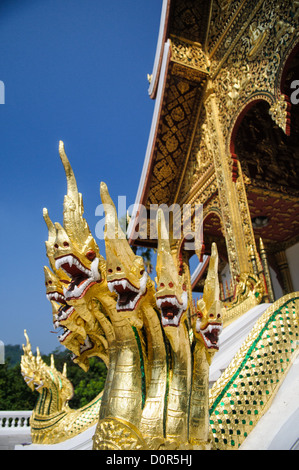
(73, 71)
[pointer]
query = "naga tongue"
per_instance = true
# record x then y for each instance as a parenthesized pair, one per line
(168, 314)
(124, 298)
(213, 336)
(169, 310)
(124, 295)
(77, 281)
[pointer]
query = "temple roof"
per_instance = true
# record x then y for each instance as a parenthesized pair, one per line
(191, 48)
(179, 75)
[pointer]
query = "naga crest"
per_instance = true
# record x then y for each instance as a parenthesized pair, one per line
(75, 250)
(77, 268)
(209, 311)
(171, 294)
(126, 273)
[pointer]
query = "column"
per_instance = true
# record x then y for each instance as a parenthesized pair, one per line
(283, 266)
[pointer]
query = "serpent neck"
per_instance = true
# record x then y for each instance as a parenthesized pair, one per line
(199, 400)
(179, 389)
(152, 419)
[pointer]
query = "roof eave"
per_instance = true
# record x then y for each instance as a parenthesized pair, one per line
(149, 156)
(162, 38)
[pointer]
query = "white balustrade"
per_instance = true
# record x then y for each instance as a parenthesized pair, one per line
(14, 420)
(14, 429)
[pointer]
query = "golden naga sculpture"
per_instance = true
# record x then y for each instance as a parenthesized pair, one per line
(52, 420)
(112, 310)
(156, 345)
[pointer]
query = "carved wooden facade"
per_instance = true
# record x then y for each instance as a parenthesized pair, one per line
(225, 133)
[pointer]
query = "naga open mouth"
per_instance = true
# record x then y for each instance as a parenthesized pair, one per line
(31, 383)
(64, 335)
(171, 309)
(63, 313)
(82, 278)
(128, 296)
(210, 334)
(56, 296)
(88, 344)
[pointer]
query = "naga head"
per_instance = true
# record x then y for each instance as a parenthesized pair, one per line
(64, 315)
(208, 324)
(54, 286)
(75, 251)
(74, 333)
(78, 268)
(43, 378)
(171, 294)
(126, 275)
(56, 282)
(60, 275)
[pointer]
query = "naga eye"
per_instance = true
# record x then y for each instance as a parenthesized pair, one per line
(56, 246)
(109, 270)
(142, 271)
(66, 244)
(184, 287)
(118, 268)
(170, 284)
(162, 285)
(90, 255)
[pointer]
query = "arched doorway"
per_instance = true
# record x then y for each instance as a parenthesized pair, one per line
(269, 160)
(213, 232)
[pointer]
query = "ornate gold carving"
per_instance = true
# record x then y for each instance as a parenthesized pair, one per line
(200, 163)
(189, 54)
(175, 132)
(249, 293)
(245, 217)
(225, 4)
(238, 257)
(248, 68)
(279, 111)
(52, 420)
(190, 19)
(116, 434)
(224, 14)
(148, 398)
(256, 40)
(158, 344)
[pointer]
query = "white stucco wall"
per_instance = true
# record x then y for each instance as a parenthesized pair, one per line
(277, 290)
